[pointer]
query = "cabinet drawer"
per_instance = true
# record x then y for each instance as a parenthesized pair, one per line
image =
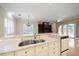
(55, 44)
(54, 48)
(54, 53)
(41, 50)
(25, 52)
(7, 54)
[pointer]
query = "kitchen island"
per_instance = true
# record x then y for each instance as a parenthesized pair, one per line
(51, 46)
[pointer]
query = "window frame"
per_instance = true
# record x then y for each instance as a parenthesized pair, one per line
(12, 28)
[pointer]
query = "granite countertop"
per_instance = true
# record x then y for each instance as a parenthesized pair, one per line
(12, 45)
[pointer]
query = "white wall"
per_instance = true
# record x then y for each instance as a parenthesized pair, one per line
(3, 15)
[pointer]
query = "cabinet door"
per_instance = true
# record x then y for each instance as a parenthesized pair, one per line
(41, 50)
(26, 52)
(7, 54)
(65, 44)
(54, 48)
(56, 44)
(54, 53)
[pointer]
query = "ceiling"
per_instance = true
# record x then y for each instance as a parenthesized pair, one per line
(43, 11)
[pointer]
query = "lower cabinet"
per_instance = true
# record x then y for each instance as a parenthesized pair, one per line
(7, 54)
(49, 49)
(54, 48)
(26, 52)
(41, 50)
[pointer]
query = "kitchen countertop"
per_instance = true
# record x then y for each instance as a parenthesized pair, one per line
(15, 47)
(12, 45)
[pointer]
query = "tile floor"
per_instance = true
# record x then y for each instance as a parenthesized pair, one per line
(73, 52)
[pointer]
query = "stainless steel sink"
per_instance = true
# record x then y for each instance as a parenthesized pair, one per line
(29, 42)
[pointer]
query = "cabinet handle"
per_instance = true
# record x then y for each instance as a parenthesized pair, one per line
(42, 47)
(25, 52)
(54, 48)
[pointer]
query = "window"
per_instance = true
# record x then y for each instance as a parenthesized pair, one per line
(27, 30)
(8, 27)
(71, 30)
(67, 29)
(64, 29)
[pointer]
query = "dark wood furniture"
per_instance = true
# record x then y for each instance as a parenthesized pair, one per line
(44, 27)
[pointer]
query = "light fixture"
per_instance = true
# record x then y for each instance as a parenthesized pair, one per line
(10, 14)
(59, 20)
(19, 15)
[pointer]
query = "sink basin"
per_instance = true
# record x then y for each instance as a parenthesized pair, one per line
(29, 42)
(39, 41)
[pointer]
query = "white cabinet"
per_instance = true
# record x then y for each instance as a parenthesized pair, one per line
(54, 48)
(7, 54)
(47, 49)
(26, 52)
(41, 50)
